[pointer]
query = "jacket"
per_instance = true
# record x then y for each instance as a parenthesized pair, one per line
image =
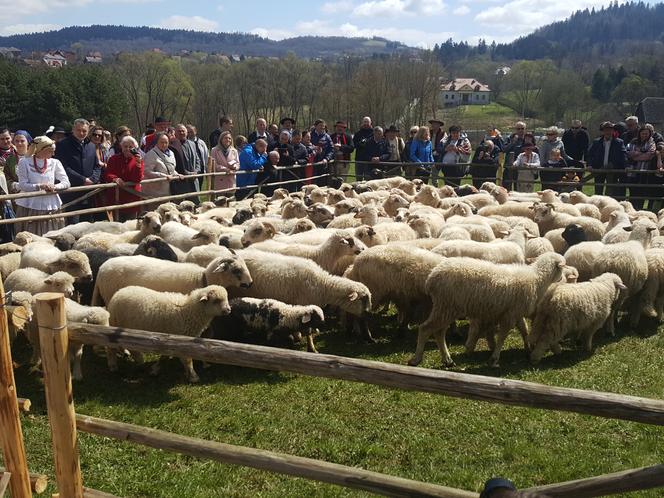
(187, 163)
(576, 143)
(346, 145)
(130, 170)
(421, 152)
(253, 136)
(617, 154)
(79, 160)
(546, 147)
(324, 141)
(225, 164)
(250, 159)
(360, 140)
(377, 149)
(158, 164)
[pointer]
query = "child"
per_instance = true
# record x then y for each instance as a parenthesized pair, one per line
(550, 178)
(529, 161)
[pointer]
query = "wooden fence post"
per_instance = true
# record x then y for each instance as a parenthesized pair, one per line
(54, 341)
(11, 434)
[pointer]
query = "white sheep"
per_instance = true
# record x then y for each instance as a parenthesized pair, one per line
(348, 206)
(604, 203)
(508, 209)
(50, 259)
(78, 230)
(537, 246)
(579, 308)
(487, 294)
(204, 255)
(35, 281)
(166, 276)
(149, 224)
(393, 203)
(454, 232)
(9, 263)
(547, 218)
(498, 251)
(293, 208)
(169, 312)
(479, 232)
(320, 214)
(652, 295)
(426, 225)
(184, 238)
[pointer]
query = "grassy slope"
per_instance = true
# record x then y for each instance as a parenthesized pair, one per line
(420, 436)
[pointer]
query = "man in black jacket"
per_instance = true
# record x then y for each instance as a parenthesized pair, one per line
(187, 163)
(576, 141)
(362, 154)
(79, 158)
(261, 132)
(343, 148)
(225, 124)
(607, 152)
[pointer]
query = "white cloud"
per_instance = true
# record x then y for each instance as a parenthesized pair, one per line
(194, 23)
(18, 29)
(8, 8)
(461, 11)
(340, 7)
(398, 8)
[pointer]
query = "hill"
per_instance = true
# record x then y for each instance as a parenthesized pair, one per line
(109, 39)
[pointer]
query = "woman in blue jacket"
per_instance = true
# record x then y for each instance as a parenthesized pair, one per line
(421, 151)
(253, 157)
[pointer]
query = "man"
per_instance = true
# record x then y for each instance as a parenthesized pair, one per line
(362, 156)
(187, 163)
(270, 174)
(261, 132)
(79, 158)
(201, 147)
(287, 124)
(514, 145)
(225, 124)
(377, 150)
(395, 146)
(632, 123)
(161, 125)
(607, 152)
(324, 150)
(437, 138)
(343, 148)
(252, 158)
(576, 141)
(8, 161)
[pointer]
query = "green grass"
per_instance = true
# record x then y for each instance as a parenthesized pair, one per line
(420, 436)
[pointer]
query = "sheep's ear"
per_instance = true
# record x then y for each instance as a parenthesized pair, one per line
(151, 251)
(613, 214)
(530, 261)
(628, 229)
(306, 318)
(504, 233)
(651, 229)
(232, 252)
(353, 296)
(345, 241)
(204, 298)
(271, 228)
(533, 206)
(540, 193)
(621, 286)
(197, 235)
(530, 235)
(548, 204)
(48, 280)
(562, 265)
(221, 267)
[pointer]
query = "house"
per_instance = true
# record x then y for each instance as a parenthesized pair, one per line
(651, 110)
(10, 52)
(93, 58)
(503, 71)
(55, 59)
(464, 91)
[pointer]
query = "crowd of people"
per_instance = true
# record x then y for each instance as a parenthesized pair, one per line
(624, 156)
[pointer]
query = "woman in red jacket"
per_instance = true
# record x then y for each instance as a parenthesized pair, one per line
(127, 166)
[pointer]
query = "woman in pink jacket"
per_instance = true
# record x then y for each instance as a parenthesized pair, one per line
(226, 160)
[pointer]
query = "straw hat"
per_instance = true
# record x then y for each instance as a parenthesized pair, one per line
(39, 144)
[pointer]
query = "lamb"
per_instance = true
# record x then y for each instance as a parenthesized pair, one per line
(204, 255)
(652, 295)
(547, 218)
(320, 214)
(258, 231)
(93, 315)
(35, 281)
(581, 308)
(184, 238)
(274, 321)
(510, 208)
(294, 208)
(486, 293)
(604, 203)
(50, 259)
(169, 312)
(9, 263)
(498, 251)
(295, 280)
(149, 224)
(536, 247)
(454, 232)
(401, 278)
(167, 276)
(426, 225)
(334, 255)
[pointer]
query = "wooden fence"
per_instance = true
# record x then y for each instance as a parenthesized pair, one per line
(55, 334)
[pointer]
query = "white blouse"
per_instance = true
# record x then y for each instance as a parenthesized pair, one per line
(29, 179)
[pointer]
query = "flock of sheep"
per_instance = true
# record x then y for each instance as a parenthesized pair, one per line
(567, 263)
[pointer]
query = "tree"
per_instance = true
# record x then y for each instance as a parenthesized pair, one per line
(601, 86)
(633, 89)
(525, 82)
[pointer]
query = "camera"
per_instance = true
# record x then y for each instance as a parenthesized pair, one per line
(135, 151)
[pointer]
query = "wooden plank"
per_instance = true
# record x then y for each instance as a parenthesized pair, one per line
(5, 477)
(38, 482)
(53, 338)
(11, 433)
(607, 484)
(307, 468)
(24, 404)
(477, 387)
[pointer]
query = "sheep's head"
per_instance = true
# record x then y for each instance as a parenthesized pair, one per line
(334, 196)
(187, 206)
(421, 227)
(446, 191)
(488, 187)
(464, 190)
(155, 247)
(63, 241)
(358, 300)
(393, 203)
(213, 299)
(222, 201)
(206, 206)
(9, 248)
(428, 196)
(229, 271)
(461, 209)
(278, 194)
(542, 212)
(643, 230)
(151, 222)
(186, 217)
(23, 238)
(550, 266)
(369, 237)
(368, 214)
(293, 208)
(548, 195)
(242, 215)
(302, 225)
(257, 231)
(75, 263)
(574, 234)
(205, 236)
(577, 196)
(401, 215)
(318, 195)
(570, 275)
(417, 183)
(311, 316)
(320, 214)
(345, 244)
(60, 282)
(259, 209)
(344, 207)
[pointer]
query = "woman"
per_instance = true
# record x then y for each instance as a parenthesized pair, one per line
(421, 152)
(641, 153)
(21, 142)
(97, 139)
(120, 133)
(528, 160)
(226, 160)
(485, 163)
(127, 166)
(159, 162)
(456, 153)
(40, 171)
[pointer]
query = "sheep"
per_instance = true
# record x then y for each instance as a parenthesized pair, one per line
(25, 238)
(652, 295)
(184, 238)
(369, 237)
(454, 232)
(335, 196)
(34, 281)
(367, 215)
(347, 206)
(634, 214)
(258, 231)
(563, 238)
(426, 225)
(149, 224)
(50, 259)
(296, 280)
(614, 228)
(479, 200)
(169, 312)
(273, 320)
(20, 314)
(156, 247)
(9, 263)
(167, 276)
(516, 221)
(604, 203)
(320, 214)
(82, 314)
(428, 195)
(279, 194)
(393, 182)
(589, 210)
(294, 208)
(581, 308)
(547, 218)
(397, 273)
(302, 225)
(499, 251)
(478, 232)
(536, 247)
(242, 215)
(78, 230)
(486, 293)
(334, 255)
(657, 242)
(393, 203)
(63, 241)
(510, 208)
(9, 247)
(204, 255)
(582, 257)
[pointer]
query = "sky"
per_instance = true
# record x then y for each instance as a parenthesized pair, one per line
(420, 23)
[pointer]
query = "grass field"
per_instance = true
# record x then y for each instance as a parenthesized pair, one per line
(419, 436)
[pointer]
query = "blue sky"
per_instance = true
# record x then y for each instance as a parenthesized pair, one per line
(414, 22)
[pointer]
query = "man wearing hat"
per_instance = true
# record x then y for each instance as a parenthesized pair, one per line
(437, 139)
(607, 152)
(161, 124)
(343, 148)
(395, 144)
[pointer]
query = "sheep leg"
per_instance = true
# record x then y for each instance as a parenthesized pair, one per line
(503, 332)
(437, 320)
(523, 329)
(311, 347)
(439, 336)
(112, 359)
(555, 348)
(75, 356)
(473, 336)
(611, 324)
(635, 313)
(189, 370)
(648, 297)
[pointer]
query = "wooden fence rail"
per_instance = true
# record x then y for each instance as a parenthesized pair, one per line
(477, 387)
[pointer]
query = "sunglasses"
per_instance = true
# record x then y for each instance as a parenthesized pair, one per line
(97, 135)
(520, 129)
